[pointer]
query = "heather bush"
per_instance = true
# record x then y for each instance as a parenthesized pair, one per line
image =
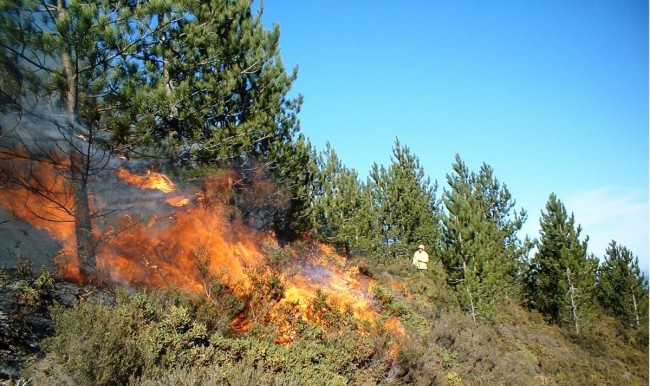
(309, 362)
(419, 336)
(95, 345)
(176, 340)
(32, 294)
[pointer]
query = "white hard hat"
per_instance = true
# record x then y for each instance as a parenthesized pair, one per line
(420, 246)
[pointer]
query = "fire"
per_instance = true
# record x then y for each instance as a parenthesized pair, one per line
(40, 194)
(164, 241)
(170, 249)
(151, 180)
(394, 325)
(156, 181)
(395, 328)
(177, 201)
(340, 289)
(396, 285)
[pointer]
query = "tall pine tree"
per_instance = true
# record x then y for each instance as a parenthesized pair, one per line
(342, 209)
(481, 250)
(406, 204)
(623, 288)
(294, 169)
(561, 276)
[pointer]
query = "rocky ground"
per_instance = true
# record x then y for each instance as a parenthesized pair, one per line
(25, 303)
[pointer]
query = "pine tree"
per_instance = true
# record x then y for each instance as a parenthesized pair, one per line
(205, 86)
(406, 204)
(342, 209)
(188, 83)
(58, 56)
(561, 276)
(481, 250)
(295, 171)
(623, 288)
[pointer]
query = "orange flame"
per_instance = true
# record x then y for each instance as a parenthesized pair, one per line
(394, 325)
(40, 194)
(151, 180)
(325, 272)
(169, 250)
(400, 287)
(395, 328)
(183, 243)
(177, 201)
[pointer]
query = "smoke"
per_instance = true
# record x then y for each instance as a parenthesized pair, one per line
(150, 231)
(40, 150)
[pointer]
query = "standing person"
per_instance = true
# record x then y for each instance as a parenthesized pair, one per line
(420, 258)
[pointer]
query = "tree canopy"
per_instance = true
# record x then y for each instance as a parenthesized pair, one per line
(623, 287)
(561, 275)
(480, 248)
(182, 84)
(405, 200)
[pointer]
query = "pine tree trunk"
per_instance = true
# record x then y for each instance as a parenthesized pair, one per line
(636, 311)
(82, 223)
(71, 93)
(78, 165)
(472, 310)
(574, 306)
(471, 303)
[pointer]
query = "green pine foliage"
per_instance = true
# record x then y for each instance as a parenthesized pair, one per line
(343, 216)
(623, 288)
(561, 277)
(205, 85)
(481, 251)
(57, 54)
(406, 204)
(190, 83)
(293, 168)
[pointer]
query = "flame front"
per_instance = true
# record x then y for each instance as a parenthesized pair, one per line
(340, 287)
(178, 201)
(181, 241)
(169, 250)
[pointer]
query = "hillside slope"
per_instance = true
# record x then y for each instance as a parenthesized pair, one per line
(416, 335)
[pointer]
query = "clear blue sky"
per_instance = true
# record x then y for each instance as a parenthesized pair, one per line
(552, 94)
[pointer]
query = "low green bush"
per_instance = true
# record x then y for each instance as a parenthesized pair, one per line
(171, 337)
(95, 345)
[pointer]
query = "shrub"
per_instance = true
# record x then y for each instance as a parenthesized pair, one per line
(95, 345)
(170, 337)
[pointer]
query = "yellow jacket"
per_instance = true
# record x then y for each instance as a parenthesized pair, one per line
(420, 259)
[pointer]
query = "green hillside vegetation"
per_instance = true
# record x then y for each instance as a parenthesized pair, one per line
(170, 337)
(198, 90)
